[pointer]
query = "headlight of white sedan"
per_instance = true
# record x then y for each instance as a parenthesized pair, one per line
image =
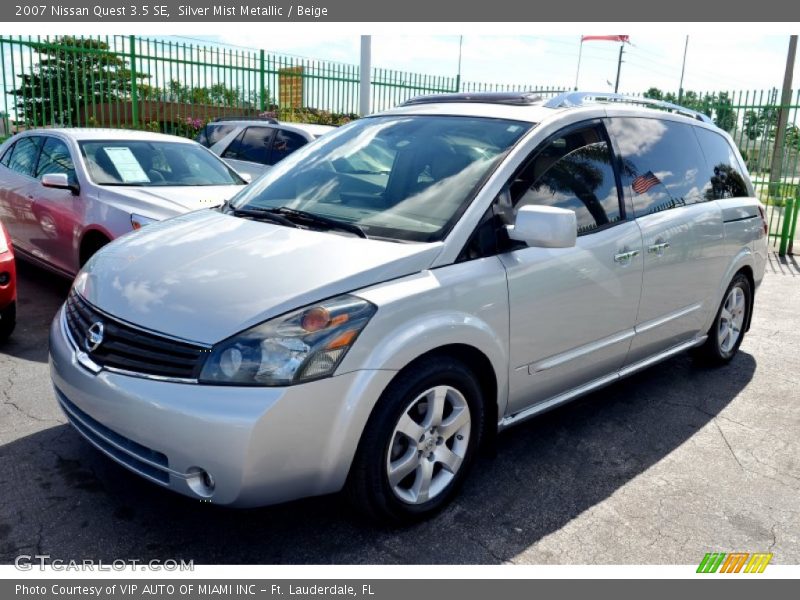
(306, 344)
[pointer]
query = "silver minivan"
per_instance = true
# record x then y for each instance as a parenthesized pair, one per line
(383, 301)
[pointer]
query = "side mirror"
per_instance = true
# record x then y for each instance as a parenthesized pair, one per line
(59, 181)
(545, 227)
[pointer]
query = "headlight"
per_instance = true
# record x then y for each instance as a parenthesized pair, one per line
(305, 344)
(138, 221)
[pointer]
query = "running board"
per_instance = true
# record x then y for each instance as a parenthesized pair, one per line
(597, 384)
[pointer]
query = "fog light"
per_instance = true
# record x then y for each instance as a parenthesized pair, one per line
(200, 481)
(5, 277)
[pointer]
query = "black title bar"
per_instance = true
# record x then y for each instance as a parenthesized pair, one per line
(33, 11)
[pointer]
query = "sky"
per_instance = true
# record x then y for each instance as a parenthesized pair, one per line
(715, 61)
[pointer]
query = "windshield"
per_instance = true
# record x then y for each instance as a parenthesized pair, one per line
(152, 164)
(398, 177)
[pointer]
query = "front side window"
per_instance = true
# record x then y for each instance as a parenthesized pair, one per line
(24, 155)
(397, 177)
(662, 163)
(143, 163)
(55, 158)
(575, 172)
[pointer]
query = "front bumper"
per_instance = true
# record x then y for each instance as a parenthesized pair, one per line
(260, 445)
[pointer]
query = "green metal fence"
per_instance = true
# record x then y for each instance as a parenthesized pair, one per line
(164, 85)
(126, 81)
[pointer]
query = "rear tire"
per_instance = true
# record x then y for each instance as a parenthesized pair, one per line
(419, 443)
(727, 332)
(8, 320)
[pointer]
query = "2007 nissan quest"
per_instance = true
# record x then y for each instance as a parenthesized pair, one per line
(367, 313)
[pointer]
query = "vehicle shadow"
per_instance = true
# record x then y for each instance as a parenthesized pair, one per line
(39, 295)
(63, 498)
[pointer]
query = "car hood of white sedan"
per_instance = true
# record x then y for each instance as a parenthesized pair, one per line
(205, 276)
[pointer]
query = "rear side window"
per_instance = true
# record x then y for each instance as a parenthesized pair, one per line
(661, 163)
(285, 143)
(723, 176)
(55, 158)
(573, 172)
(252, 145)
(24, 155)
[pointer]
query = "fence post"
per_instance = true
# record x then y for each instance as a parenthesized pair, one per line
(787, 221)
(134, 89)
(365, 76)
(262, 94)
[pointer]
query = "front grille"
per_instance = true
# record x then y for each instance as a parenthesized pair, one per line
(129, 348)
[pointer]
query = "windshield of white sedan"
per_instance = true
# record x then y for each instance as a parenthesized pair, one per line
(398, 177)
(143, 163)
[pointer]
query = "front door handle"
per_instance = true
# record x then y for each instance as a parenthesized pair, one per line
(622, 257)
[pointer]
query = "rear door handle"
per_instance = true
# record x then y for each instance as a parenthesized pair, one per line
(622, 257)
(658, 248)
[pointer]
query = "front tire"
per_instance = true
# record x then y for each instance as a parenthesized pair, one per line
(8, 320)
(727, 332)
(419, 442)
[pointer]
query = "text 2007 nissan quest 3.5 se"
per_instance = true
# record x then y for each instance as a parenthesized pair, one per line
(366, 314)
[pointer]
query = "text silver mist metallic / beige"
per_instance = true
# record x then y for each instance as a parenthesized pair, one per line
(365, 313)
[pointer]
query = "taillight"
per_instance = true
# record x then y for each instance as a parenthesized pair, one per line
(763, 219)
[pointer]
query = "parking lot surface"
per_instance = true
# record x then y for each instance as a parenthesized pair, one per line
(661, 468)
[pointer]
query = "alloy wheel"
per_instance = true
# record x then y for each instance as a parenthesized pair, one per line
(428, 444)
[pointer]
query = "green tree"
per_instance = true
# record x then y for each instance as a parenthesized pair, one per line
(724, 113)
(654, 93)
(71, 76)
(761, 123)
(792, 138)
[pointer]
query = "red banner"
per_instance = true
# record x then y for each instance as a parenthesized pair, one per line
(607, 38)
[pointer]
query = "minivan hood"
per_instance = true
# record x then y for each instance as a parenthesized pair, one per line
(171, 200)
(205, 276)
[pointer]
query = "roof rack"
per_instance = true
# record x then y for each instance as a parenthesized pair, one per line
(521, 98)
(572, 99)
(245, 118)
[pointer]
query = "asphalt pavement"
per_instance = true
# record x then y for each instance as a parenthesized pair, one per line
(660, 468)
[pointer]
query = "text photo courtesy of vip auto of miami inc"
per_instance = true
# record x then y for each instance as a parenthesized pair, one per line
(467, 298)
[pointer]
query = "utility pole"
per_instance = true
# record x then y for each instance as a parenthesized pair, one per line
(683, 70)
(783, 117)
(458, 75)
(619, 66)
(366, 70)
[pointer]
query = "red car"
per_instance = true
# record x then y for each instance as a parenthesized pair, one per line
(8, 286)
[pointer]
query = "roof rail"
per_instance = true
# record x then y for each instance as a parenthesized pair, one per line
(245, 118)
(572, 99)
(521, 98)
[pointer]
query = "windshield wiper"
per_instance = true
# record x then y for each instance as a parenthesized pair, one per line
(263, 214)
(314, 219)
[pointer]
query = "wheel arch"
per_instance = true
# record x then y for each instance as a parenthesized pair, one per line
(91, 235)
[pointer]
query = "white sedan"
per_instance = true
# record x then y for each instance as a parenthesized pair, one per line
(65, 193)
